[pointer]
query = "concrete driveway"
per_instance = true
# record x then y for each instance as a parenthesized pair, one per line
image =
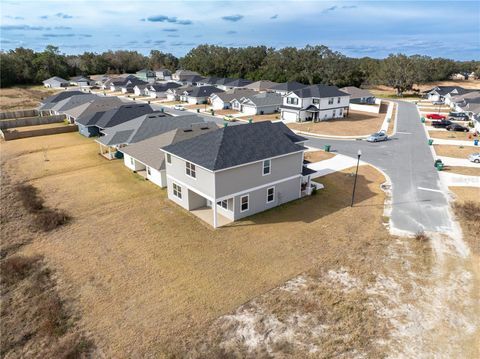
(418, 202)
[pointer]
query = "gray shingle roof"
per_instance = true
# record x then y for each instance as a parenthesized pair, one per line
(261, 85)
(115, 116)
(319, 91)
(164, 87)
(356, 92)
(236, 145)
(265, 99)
(50, 101)
(55, 79)
(95, 105)
(444, 90)
(288, 86)
(239, 83)
(73, 101)
(148, 151)
(231, 95)
(203, 91)
(147, 126)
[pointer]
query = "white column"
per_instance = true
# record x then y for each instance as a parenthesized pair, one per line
(214, 204)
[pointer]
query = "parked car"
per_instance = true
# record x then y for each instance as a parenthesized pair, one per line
(437, 103)
(179, 107)
(441, 124)
(229, 118)
(377, 137)
(435, 116)
(458, 116)
(456, 127)
(474, 157)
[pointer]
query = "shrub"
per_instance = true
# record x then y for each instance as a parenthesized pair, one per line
(421, 236)
(16, 268)
(49, 219)
(29, 197)
(469, 210)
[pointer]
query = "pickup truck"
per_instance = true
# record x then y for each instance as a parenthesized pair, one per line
(441, 123)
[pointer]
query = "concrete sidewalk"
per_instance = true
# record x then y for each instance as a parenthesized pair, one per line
(452, 161)
(334, 164)
(442, 141)
(454, 179)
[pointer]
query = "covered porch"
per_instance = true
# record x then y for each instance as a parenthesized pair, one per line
(207, 214)
(307, 186)
(110, 153)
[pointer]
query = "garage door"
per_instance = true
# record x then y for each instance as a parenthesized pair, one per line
(289, 116)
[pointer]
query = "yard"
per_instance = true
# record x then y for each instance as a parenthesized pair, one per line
(356, 124)
(467, 171)
(153, 282)
(315, 156)
(23, 97)
(454, 151)
(38, 127)
(260, 118)
(451, 135)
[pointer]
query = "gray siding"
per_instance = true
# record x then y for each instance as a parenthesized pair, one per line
(250, 176)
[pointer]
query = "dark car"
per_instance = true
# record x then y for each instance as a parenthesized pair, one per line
(457, 127)
(441, 124)
(458, 116)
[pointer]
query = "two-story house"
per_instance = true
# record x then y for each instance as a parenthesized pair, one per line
(236, 171)
(314, 103)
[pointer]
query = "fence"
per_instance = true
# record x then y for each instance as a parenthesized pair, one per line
(15, 135)
(18, 114)
(30, 121)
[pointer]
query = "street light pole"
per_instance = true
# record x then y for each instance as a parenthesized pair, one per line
(359, 154)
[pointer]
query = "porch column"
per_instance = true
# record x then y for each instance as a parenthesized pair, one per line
(214, 204)
(101, 149)
(109, 153)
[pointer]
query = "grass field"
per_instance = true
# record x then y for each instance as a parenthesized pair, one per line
(467, 210)
(454, 151)
(467, 171)
(450, 135)
(356, 124)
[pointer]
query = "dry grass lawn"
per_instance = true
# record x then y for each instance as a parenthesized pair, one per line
(315, 156)
(20, 98)
(356, 124)
(467, 210)
(194, 107)
(147, 277)
(451, 135)
(173, 103)
(38, 127)
(385, 91)
(226, 112)
(260, 118)
(454, 151)
(467, 171)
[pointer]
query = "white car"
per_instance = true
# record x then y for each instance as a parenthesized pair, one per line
(179, 107)
(474, 157)
(377, 137)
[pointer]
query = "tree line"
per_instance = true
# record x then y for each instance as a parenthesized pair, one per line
(309, 65)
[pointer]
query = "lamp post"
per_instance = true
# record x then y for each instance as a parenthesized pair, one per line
(359, 154)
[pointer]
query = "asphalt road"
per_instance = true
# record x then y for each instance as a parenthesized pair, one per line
(417, 200)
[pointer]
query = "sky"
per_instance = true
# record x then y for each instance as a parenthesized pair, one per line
(356, 28)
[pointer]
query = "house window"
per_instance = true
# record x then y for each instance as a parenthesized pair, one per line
(334, 113)
(338, 100)
(244, 203)
(292, 101)
(266, 167)
(131, 161)
(316, 101)
(340, 112)
(148, 171)
(169, 158)
(177, 191)
(223, 204)
(270, 194)
(330, 101)
(190, 170)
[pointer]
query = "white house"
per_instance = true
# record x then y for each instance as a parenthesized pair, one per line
(160, 90)
(260, 104)
(163, 74)
(222, 100)
(139, 90)
(314, 103)
(199, 95)
(56, 82)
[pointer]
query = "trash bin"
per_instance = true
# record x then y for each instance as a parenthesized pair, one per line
(430, 141)
(326, 148)
(422, 119)
(439, 166)
(198, 110)
(437, 162)
(250, 120)
(162, 109)
(475, 142)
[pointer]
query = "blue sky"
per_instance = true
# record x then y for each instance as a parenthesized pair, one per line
(356, 28)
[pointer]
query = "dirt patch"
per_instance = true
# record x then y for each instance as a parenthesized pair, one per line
(467, 210)
(451, 135)
(19, 98)
(356, 124)
(467, 171)
(315, 156)
(226, 112)
(454, 151)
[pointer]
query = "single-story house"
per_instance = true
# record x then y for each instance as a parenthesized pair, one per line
(222, 100)
(286, 87)
(160, 90)
(237, 171)
(176, 94)
(261, 86)
(56, 82)
(236, 83)
(92, 124)
(82, 81)
(139, 90)
(315, 103)
(62, 107)
(180, 75)
(199, 95)
(259, 104)
(358, 95)
(146, 75)
(97, 104)
(145, 158)
(439, 93)
(46, 104)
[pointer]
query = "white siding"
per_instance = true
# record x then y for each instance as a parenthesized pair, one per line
(157, 177)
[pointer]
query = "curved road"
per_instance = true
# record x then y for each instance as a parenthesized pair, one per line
(418, 203)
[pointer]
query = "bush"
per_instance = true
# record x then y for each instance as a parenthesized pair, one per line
(16, 268)
(49, 219)
(421, 236)
(469, 210)
(29, 197)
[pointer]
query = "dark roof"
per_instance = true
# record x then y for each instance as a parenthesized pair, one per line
(319, 91)
(204, 91)
(165, 86)
(288, 86)
(307, 171)
(210, 80)
(311, 108)
(61, 96)
(224, 80)
(239, 83)
(148, 151)
(192, 78)
(356, 92)
(444, 90)
(116, 116)
(147, 126)
(236, 145)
